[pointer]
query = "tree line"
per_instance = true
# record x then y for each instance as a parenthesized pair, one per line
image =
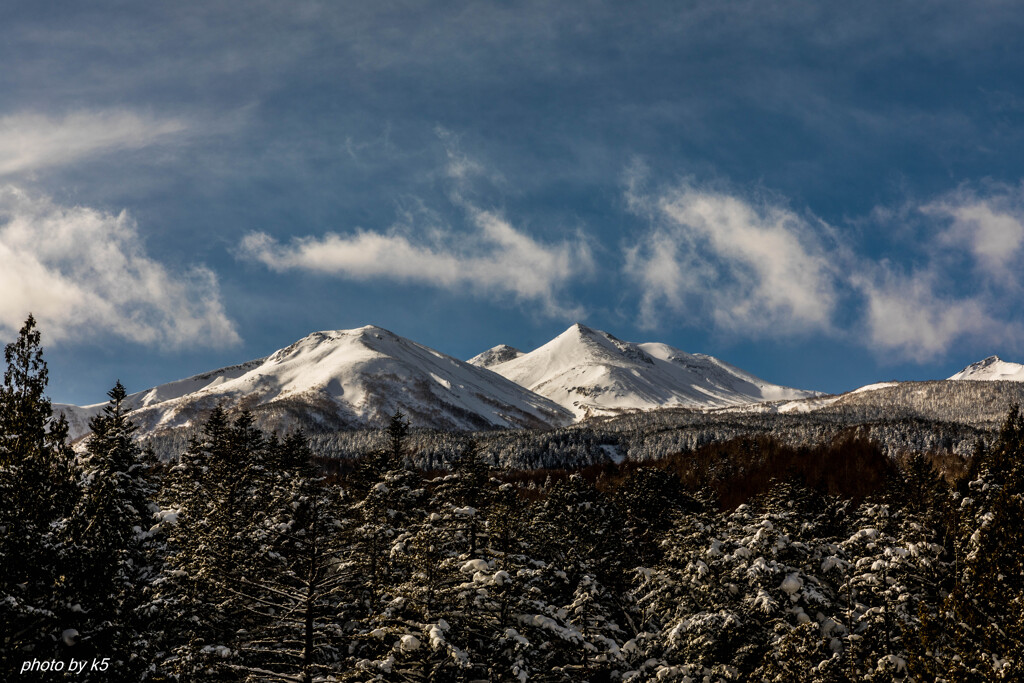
(242, 560)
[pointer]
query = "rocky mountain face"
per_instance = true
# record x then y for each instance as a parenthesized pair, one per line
(499, 354)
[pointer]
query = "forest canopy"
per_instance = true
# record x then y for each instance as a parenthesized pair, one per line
(246, 558)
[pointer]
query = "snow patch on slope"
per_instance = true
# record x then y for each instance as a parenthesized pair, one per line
(873, 387)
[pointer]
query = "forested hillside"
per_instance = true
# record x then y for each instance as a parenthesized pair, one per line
(246, 558)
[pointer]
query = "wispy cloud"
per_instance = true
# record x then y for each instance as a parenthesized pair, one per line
(494, 257)
(86, 273)
(751, 267)
(989, 225)
(908, 314)
(755, 268)
(32, 141)
(488, 255)
(965, 286)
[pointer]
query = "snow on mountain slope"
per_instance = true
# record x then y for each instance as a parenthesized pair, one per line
(78, 416)
(992, 369)
(499, 354)
(592, 373)
(348, 378)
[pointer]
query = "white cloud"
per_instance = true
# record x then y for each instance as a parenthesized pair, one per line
(84, 272)
(965, 284)
(990, 227)
(758, 269)
(30, 141)
(906, 314)
(494, 257)
(752, 268)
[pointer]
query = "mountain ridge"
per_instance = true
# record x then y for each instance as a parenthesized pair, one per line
(343, 379)
(594, 373)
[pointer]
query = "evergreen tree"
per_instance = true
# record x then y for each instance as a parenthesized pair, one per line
(979, 635)
(218, 494)
(294, 589)
(37, 490)
(390, 504)
(108, 532)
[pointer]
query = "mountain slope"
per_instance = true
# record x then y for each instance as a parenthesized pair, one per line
(499, 354)
(592, 373)
(342, 379)
(992, 369)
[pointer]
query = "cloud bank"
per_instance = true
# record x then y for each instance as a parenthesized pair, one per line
(86, 273)
(756, 268)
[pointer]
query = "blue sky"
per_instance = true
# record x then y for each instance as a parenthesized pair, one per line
(825, 195)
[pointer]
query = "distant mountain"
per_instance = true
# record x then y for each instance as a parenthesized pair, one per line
(992, 369)
(592, 373)
(499, 354)
(343, 379)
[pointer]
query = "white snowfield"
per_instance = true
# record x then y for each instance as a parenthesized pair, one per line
(992, 369)
(592, 373)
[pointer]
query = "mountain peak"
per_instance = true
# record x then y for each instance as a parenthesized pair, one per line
(371, 329)
(578, 329)
(493, 356)
(591, 372)
(992, 369)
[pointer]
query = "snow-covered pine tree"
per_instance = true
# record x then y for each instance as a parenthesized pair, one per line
(800, 635)
(219, 494)
(391, 503)
(463, 498)
(980, 633)
(294, 591)
(649, 500)
(449, 575)
(512, 597)
(576, 532)
(107, 532)
(37, 489)
(685, 616)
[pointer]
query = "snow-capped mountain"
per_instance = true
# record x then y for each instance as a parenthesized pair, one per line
(592, 373)
(342, 379)
(499, 354)
(992, 369)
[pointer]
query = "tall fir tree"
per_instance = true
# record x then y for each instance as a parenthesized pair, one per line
(979, 635)
(108, 533)
(37, 490)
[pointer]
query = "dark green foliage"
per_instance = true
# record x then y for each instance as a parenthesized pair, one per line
(107, 533)
(978, 635)
(746, 560)
(257, 574)
(37, 490)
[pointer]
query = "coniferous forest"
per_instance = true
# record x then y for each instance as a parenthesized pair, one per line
(244, 558)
